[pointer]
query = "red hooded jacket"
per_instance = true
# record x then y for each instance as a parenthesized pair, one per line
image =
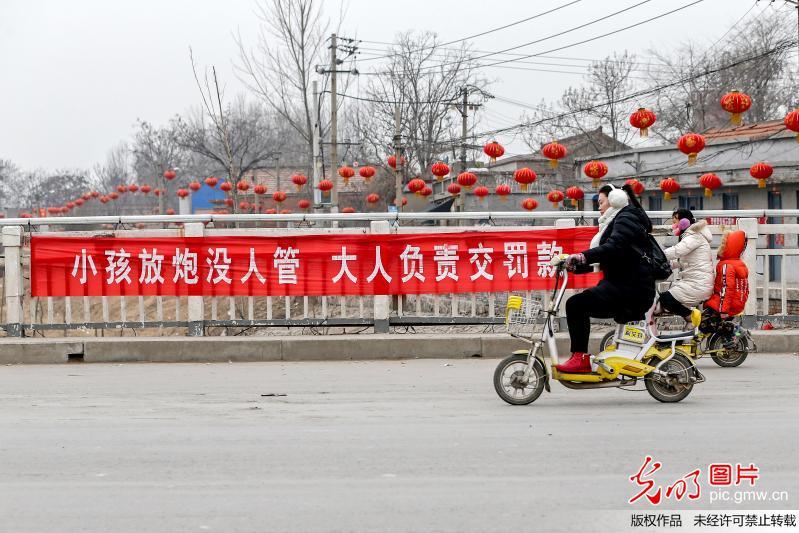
(731, 288)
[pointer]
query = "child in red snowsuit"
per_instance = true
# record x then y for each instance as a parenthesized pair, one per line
(731, 288)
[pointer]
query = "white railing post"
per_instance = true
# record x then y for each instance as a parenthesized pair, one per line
(196, 308)
(381, 303)
(12, 242)
(749, 256)
(562, 223)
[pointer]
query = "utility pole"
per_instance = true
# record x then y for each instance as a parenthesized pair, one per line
(398, 160)
(332, 69)
(333, 126)
(464, 111)
(317, 147)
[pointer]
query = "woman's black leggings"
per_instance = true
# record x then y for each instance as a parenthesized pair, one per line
(670, 304)
(579, 310)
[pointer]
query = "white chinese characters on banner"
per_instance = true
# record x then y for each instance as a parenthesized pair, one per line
(546, 251)
(253, 269)
(481, 263)
(150, 267)
(516, 259)
(286, 262)
(379, 269)
(83, 263)
(185, 263)
(343, 258)
(118, 268)
(446, 259)
(412, 263)
(219, 266)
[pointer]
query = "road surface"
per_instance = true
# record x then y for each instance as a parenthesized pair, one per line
(418, 445)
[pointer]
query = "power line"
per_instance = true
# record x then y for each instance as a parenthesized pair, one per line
(538, 15)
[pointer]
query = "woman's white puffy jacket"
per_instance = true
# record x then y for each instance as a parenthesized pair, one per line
(694, 259)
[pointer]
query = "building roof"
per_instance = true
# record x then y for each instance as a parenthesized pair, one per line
(747, 131)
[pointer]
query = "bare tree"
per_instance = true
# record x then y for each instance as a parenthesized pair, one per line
(156, 150)
(239, 138)
(759, 51)
(278, 69)
(10, 184)
(54, 189)
(424, 81)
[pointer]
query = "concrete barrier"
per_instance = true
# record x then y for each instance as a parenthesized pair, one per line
(296, 348)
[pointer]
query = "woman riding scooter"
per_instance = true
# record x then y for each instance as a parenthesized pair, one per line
(693, 258)
(627, 289)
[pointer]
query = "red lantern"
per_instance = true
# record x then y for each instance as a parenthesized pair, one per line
(554, 151)
(285, 211)
(761, 172)
(427, 191)
(304, 204)
(195, 186)
(493, 150)
(595, 170)
(182, 193)
(643, 119)
(502, 191)
(133, 187)
(439, 170)
(404, 201)
(95, 194)
(244, 206)
(346, 173)
(575, 194)
(710, 182)
(373, 198)
(691, 144)
(325, 186)
(114, 195)
(736, 102)
(279, 196)
(555, 197)
(367, 173)
(637, 187)
(170, 211)
(299, 180)
(529, 204)
(416, 186)
(669, 186)
(211, 181)
(79, 202)
(243, 186)
(392, 161)
(229, 202)
(146, 189)
(271, 211)
(121, 189)
(259, 189)
(454, 189)
(467, 180)
(481, 192)
(170, 174)
(226, 187)
(53, 210)
(86, 196)
(348, 210)
(792, 122)
(524, 177)
(104, 199)
(70, 205)
(25, 215)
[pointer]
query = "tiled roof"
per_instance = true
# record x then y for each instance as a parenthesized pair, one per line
(747, 131)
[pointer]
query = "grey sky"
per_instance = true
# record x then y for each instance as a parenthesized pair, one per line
(76, 74)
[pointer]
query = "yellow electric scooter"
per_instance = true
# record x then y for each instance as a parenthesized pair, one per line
(639, 352)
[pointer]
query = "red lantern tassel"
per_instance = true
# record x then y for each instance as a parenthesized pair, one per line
(736, 119)
(553, 163)
(691, 159)
(595, 183)
(523, 186)
(708, 192)
(644, 132)
(667, 196)
(761, 184)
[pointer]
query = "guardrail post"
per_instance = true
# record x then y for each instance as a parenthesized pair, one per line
(381, 303)
(561, 223)
(749, 226)
(196, 308)
(12, 241)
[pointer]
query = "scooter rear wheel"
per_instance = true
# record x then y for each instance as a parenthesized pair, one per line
(607, 340)
(728, 350)
(681, 368)
(509, 380)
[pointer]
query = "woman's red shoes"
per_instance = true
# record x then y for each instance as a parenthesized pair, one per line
(578, 363)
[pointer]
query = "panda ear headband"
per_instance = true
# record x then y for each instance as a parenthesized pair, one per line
(618, 197)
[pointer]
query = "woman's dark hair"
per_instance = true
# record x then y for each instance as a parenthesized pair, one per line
(605, 189)
(681, 213)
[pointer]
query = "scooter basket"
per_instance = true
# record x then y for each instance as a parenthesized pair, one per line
(521, 316)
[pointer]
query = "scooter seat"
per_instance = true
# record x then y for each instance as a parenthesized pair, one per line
(676, 335)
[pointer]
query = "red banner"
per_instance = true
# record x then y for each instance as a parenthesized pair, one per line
(303, 265)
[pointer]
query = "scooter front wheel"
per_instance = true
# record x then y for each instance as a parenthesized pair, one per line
(510, 384)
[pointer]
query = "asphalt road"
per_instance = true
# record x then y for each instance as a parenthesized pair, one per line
(420, 445)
